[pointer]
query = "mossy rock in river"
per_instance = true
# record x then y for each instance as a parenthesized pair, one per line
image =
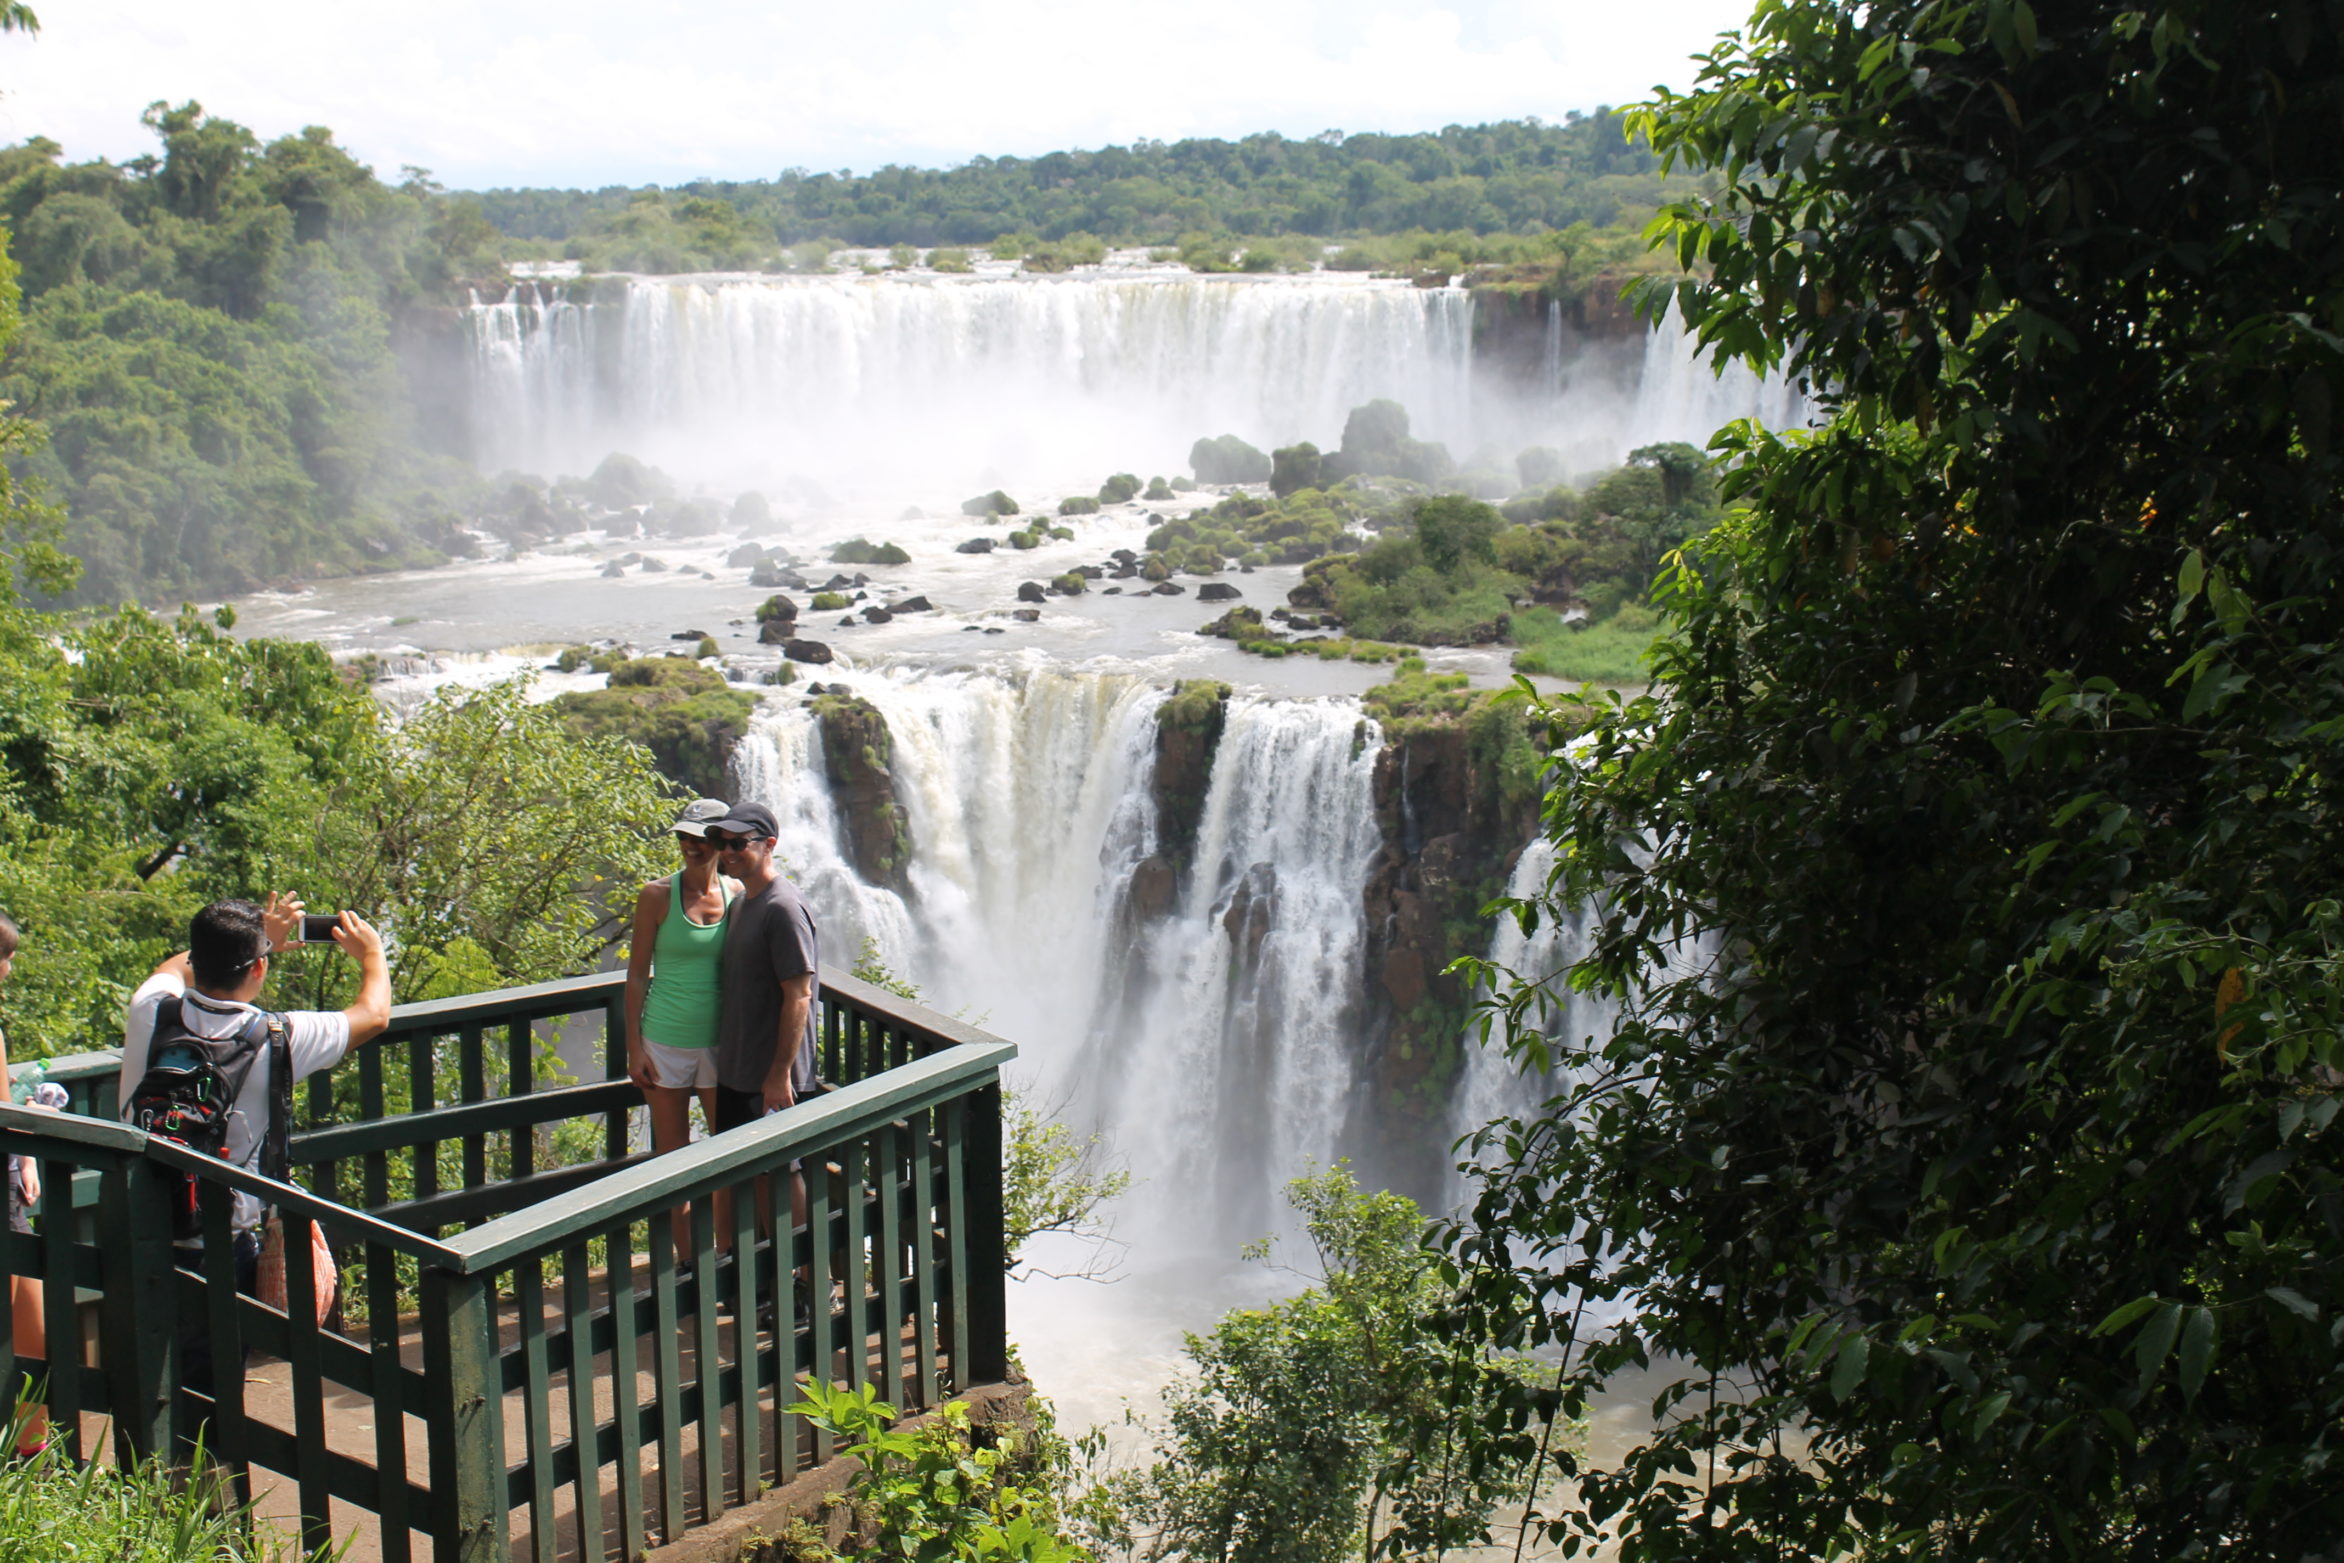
(1188, 734)
(859, 751)
(856, 550)
(685, 714)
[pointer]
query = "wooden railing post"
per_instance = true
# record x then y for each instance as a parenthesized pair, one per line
(139, 1315)
(988, 1278)
(464, 1414)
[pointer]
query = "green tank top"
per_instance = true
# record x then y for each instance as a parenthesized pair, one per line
(680, 1009)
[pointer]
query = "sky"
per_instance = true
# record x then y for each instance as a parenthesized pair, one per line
(594, 92)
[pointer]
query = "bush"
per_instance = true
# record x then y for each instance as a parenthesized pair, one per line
(949, 260)
(993, 504)
(1298, 1434)
(856, 551)
(831, 602)
(944, 1490)
(1228, 459)
(1078, 505)
(687, 715)
(1068, 585)
(1294, 467)
(1119, 488)
(1158, 490)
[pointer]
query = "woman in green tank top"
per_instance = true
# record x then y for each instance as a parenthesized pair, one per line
(671, 990)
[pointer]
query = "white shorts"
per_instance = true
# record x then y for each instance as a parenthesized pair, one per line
(682, 1068)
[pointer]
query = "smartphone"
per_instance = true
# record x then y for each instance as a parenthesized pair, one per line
(318, 927)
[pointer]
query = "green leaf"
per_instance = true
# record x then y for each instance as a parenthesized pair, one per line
(2124, 1316)
(1990, 1408)
(2293, 1301)
(2155, 1342)
(1855, 1355)
(2193, 574)
(2197, 1351)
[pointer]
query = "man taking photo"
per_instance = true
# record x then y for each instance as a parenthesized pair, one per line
(198, 1012)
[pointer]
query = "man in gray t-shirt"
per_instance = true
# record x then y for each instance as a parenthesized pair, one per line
(767, 977)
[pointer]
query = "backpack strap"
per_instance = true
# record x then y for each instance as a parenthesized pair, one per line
(276, 1156)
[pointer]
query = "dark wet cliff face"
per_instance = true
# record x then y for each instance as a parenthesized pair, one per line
(1528, 327)
(1456, 802)
(858, 751)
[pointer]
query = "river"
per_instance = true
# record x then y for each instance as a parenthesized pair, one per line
(1212, 1045)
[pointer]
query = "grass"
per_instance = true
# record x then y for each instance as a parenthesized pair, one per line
(1613, 652)
(53, 1509)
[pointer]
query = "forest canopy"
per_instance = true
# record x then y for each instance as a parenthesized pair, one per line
(211, 338)
(1517, 176)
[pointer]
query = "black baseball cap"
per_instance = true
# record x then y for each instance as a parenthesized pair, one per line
(748, 819)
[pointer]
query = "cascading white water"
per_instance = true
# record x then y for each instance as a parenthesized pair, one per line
(909, 381)
(1208, 1043)
(888, 387)
(1680, 388)
(1493, 1084)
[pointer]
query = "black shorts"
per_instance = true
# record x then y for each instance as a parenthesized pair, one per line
(736, 1108)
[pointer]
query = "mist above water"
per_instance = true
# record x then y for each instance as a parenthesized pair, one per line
(854, 388)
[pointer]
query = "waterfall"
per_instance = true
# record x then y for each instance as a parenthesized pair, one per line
(922, 380)
(1494, 1085)
(890, 387)
(1209, 1041)
(1680, 389)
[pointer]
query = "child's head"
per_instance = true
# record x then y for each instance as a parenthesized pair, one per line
(8, 938)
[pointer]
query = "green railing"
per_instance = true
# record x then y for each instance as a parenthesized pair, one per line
(516, 1353)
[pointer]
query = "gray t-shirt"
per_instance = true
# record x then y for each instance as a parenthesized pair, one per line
(768, 938)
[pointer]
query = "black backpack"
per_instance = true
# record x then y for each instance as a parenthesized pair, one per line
(190, 1088)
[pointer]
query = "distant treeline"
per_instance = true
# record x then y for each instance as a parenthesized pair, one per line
(221, 339)
(1513, 177)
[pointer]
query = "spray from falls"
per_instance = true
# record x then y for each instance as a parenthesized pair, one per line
(1207, 1037)
(933, 379)
(888, 387)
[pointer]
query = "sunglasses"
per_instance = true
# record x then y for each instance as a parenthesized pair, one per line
(725, 843)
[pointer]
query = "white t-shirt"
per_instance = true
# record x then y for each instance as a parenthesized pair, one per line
(315, 1040)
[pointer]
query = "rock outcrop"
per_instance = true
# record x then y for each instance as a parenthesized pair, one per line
(1456, 798)
(859, 752)
(685, 714)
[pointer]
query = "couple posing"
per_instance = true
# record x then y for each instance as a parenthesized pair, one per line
(722, 975)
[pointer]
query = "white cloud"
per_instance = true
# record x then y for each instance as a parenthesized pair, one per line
(597, 92)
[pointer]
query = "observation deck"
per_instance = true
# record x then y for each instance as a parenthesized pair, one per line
(516, 1365)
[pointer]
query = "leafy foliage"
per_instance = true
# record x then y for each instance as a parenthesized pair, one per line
(209, 339)
(1332, 1424)
(1969, 888)
(937, 1493)
(148, 766)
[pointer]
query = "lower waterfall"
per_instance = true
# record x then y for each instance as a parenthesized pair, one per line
(1209, 1038)
(1493, 1084)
